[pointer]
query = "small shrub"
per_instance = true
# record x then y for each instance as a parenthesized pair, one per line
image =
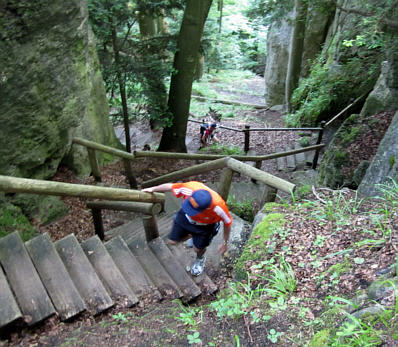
(242, 209)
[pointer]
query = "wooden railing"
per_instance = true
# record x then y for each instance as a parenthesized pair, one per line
(127, 157)
(120, 199)
(247, 130)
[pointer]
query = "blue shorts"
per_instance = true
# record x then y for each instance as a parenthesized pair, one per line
(201, 234)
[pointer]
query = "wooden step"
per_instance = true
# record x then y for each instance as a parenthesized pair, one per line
(83, 275)
(55, 277)
(175, 269)
(281, 162)
(154, 269)
(24, 280)
(131, 269)
(9, 310)
(203, 281)
(108, 272)
(136, 230)
(290, 160)
(300, 157)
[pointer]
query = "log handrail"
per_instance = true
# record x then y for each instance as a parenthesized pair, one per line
(231, 163)
(196, 156)
(33, 186)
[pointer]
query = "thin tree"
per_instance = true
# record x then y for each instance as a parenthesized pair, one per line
(112, 22)
(185, 59)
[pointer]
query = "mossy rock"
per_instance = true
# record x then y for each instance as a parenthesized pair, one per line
(345, 161)
(12, 219)
(44, 209)
(256, 246)
(320, 338)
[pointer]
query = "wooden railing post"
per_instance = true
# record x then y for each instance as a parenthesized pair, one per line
(129, 173)
(316, 155)
(225, 183)
(92, 157)
(151, 227)
(98, 224)
(247, 138)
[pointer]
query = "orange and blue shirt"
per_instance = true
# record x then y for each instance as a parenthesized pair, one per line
(216, 212)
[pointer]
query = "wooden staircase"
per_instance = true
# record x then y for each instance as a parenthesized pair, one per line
(298, 161)
(39, 278)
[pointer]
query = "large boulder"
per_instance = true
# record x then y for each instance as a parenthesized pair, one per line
(51, 88)
(384, 166)
(278, 41)
(353, 147)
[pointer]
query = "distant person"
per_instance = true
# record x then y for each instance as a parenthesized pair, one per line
(199, 218)
(207, 133)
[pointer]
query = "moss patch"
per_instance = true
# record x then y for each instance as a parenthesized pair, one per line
(12, 219)
(257, 244)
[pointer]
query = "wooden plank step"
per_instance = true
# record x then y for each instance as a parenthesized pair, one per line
(154, 269)
(24, 280)
(175, 269)
(165, 223)
(131, 269)
(55, 277)
(290, 160)
(203, 281)
(126, 228)
(300, 157)
(108, 272)
(83, 275)
(9, 310)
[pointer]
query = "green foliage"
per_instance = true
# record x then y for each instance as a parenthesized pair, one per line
(237, 300)
(239, 45)
(243, 209)
(217, 148)
(273, 335)
(190, 316)
(120, 317)
(280, 279)
(194, 338)
(328, 89)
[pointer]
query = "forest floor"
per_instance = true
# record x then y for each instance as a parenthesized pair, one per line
(170, 323)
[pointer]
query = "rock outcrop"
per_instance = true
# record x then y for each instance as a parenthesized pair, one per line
(384, 166)
(51, 88)
(278, 44)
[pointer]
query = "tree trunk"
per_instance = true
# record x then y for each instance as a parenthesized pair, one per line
(122, 89)
(185, 59)
(150, 27)
(296, 49)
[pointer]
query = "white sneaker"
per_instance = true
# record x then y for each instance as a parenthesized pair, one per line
(198, 266)
(189, 243)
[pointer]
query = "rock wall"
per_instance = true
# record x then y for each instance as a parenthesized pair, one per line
(51, 88)
(278, 42)
(384, 166)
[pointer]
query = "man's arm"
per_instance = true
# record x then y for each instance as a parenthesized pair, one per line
(223, 248)
(165, 187)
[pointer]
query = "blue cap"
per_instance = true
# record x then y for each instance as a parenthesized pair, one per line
(198, 202)
(214, 125)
